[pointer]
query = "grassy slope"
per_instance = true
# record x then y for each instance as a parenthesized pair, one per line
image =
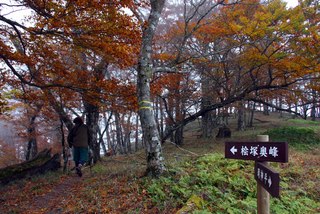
(300, 189)
(115, 185)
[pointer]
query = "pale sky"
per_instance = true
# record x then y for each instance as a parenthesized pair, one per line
(291, 3)
(18, 14)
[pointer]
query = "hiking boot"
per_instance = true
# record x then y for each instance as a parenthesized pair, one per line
(78, 170)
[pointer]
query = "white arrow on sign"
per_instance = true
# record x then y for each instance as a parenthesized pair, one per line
(269, 181)
(233, 150)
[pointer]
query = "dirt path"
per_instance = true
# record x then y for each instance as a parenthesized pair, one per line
(56, 199)
(41, 196)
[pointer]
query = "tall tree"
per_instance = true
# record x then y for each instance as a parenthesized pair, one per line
(151, 137)
(69, 41)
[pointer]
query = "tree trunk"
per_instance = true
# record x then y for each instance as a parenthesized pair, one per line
(63, 143)
(101, 142)
(137, 134)
(313, 105)
(106, 131)
(241, 117)
(111, 146)
(178, 136)
(155, 163)
(127, 142)
(119, 136)
(251, 116)
(161, 118)
(207, 118)
(92, 119)
(40, 164)
(127, 134)
(207, 125)
(280, 105)
(32, 148)
(266, 110)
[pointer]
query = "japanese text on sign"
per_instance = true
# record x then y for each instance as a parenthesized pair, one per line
(268, 178)
(264, 177)
(271, 151)
(262, 151)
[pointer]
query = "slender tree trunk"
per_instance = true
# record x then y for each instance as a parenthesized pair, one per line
(313, 106)
(32, 149)
(296, 110)
(155, 161)
(106, 131)
(206, 123)
(170, 112)
(241, 117)
(120, 142)
(127, 142)
(92, 119)
(161, 118)
(113, 141)
(156, 113)
(103, 146)
(126, 127)
(63, 144)
(280, 104)
(137, 134)
(207, 118)
(101, 141)
(178, 136)
(110, 142)
(252, 110)
(266, 110)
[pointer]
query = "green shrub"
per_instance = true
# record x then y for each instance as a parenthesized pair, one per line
(304, 122)
(299, 137)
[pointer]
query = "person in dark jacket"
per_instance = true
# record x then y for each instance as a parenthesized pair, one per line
(79, 139)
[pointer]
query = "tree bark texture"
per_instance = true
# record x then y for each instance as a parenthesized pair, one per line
(178, 135)
(241, 117)
(63, 144)
(119, 134)
(32, 149)
(206, 100)
(251, 115)
(92, 119)
(155, 162)
(207, 124)
(136, 143)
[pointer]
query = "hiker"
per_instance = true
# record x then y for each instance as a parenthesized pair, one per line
(79, 139)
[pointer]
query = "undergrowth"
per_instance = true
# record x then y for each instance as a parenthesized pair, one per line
(301, 138)
(214, 184)
(304, 122)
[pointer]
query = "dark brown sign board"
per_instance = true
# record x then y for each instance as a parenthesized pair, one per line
(268, 178)
(257, 151)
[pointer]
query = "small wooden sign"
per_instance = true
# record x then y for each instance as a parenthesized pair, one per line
(257, 151)
(268, 178)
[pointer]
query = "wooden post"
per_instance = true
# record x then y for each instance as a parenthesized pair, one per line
(263, 197)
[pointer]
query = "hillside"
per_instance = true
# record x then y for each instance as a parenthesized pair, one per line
(196, 171)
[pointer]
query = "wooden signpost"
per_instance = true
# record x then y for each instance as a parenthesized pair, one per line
(262, 151)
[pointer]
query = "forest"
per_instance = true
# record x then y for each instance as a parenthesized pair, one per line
(156, 81)
(140, 71)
